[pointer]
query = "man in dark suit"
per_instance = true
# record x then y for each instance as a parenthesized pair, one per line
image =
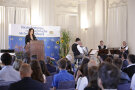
(102, 46)
(26, 83)
(130, 69)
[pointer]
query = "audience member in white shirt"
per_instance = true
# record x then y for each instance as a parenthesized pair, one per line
(83, 81)
(8, 73)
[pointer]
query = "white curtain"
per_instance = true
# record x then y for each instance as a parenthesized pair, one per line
(116, 26)
(11, 15)
(22, 16)
(2, 27)
(46, 12)
(10, 19)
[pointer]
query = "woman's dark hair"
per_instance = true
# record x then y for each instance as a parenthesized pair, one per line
(92, 76)
(118, 62)
(37, 73)
(69, 66)
(109, 75)
(30, 31)
(108, 60)
(44, 68)
(85, 61)
(85, 70)
(131, 58)
(6, 59)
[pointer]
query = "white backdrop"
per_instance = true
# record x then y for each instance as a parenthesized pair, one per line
(116, 26)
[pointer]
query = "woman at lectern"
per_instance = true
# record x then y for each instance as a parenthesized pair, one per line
(30, 36)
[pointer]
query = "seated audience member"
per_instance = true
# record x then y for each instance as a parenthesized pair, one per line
(8, 73)
(17, 64)
(69, 68)
(63, 75)
(130, 69)
(27, 83)
(80, 69)
(37, 72)
(133, 83)
(82, 81)
(108, 60)
(92, 78)
(108, 76)
(44, 68)
(124, 60)
(50, 66)
(124, 78)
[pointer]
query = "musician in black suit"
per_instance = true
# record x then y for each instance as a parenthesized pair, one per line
(30, 36)
(27, 83)
(102, 46)
(124, 48)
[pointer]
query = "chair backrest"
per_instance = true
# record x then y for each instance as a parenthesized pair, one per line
(49, 80)
(66, 85)
(53, 73)
(67, 89)
(4, 85)
(46, 86)
(124, 86)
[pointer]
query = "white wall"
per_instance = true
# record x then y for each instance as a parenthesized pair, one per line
(131, 25)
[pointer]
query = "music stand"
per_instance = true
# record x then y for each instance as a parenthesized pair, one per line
(115, 51)
(103, 51)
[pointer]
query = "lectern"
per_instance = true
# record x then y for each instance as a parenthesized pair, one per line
(37, 48)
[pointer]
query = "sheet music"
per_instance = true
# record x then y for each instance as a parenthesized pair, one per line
(93, 51)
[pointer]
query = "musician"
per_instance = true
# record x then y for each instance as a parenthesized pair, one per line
(30, 36)
(124, 48)
(102, 46)
(77, 49)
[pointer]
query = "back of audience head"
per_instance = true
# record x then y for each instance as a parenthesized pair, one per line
(108, 76)
(17, 64)
(131, 58)
(84, 62)
(108, 60)
(44, 68)
(37, 73)
(25, 70)
(85, 70)
(92, 76)
(62, 63)
(117, 62)
(69, 66)
(124, 56)
(6, 59)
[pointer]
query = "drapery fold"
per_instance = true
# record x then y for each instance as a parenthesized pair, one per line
(116, 26)
(11, 15)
